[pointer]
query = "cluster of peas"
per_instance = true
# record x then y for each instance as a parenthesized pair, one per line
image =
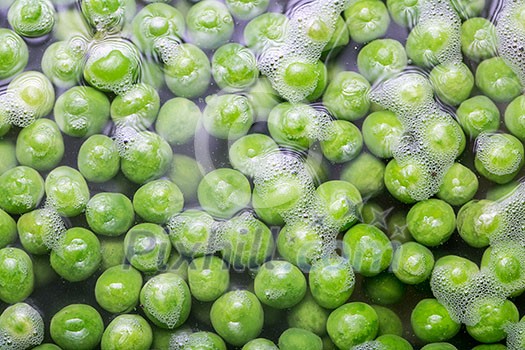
(187, 250)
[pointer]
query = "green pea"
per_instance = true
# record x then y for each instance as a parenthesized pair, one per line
(166, 300)
(21, 327)
(191, 233)
(265, 31)
(368, 249)
(367, 20)
(77, 255)
(204, 340)
(127, 332)
(304, 80)
(234, 67)
(147, 247)
(245, 154)
(497, 80)
(186, 173)
(459, 185)
(341, 200)
(67, 191)
(382, 131)
(412, 263)
(112, 251)
(431, 321)
(352, 324)
(147, 157)
(331, 281)
(177, 264)
(431, 222)
(300, 244)
(263, 98)
(494, 316)
(397, 228)
(389, 322)
(343, 143)
(40, 145)
(108, 16)
(490, 347)
(514, 115)
(308, 315)
(369, 183)
(16, 275)
(478, 114)
(223, 192)
(109, 214)
(227, 116)
(113, 65)
(155, 21)
(338, 40)
(237, 317)
(392, 341)
(208, 278)
(21, 190)
(478, 39)
(70, 22)
(246, 10)
(77, 327)
(382, 59)
(452, 82)
(98, 159)
(117, 289)
(499, 157)
(8, 227)
(292, 124)
(468, 8)
(454, 273)
(137, 107)
(210, 24)
(384, 289)
(246, 242)
(62, 62)
(31, 18)
(178, 120)
(13, 54)
(8, 155)
(33, 228)
(298, 338)
(443, 136)
(82, 111)
(346, 96)
(36, 95)
(157, 201)
(439, 346)
(504, 265)
(429, 41)
(404, 12)
(188, 73)
(280, 284)
(260, 344)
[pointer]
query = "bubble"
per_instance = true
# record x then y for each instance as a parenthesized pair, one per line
(370, 345)
(54, 226)
(168, 48)
(30, 332)
(515, 335)
(486, 144)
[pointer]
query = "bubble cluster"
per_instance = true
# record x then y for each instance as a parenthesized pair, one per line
(54, 224)
(510, 30)
(171, 314)
(370, 345)
(431, 138)
(29, 331)
(106, 16)
(309, 29)
(168, 49)
(487, 144)
(32, 17)
(14, 111)
(515, 335)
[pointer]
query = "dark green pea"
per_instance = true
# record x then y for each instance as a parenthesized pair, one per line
(98, 159)
(77, 327)
(117, 289)
(21, 190)
(8, 227)
(389, 321)
(308, 315)
(439, 346)
(384, 289)
(147, 247)
(127, 332)
(370, 182)
(186, 173)
(77, 255)
(298, 338)
(166, 300)
(112, 251)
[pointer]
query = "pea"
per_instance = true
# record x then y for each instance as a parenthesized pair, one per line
(117, 289)
(208, 340)
(367, 20)
(245, 154)
(8, 227)
(109, 214)
(234, 67)
(404, 13)
(298, 338)
(178, 120)
(343, 143)
(21, 190)
(392, 341)
(67, 191)
(22, 326)
(108, 17)
(260, 344)
(8, 152)
(370, 183)
(127, 332)
(452, 82)
(98, 159)
(308, 315)
(227, 116)
(33, 230)
(412, 263)
(476, 222)
(384, 288)
(389, 322)
(157, 201)
(381, 59)
(291, 124)
(112, 251)
(210, 24)
(431, 321)
(346, 96)
(35, 94)
(497, 80)
(147, 247)
(352, 324)
(431, 222)
(31, 18)
(266, 30)
(494, 315)
(192, 233)
(14, 54)
(136, 107)
(62, 62)
(237, 316)
(208, 278)
(478, 39)
(331, 281)
(77, 326)
(186, 173)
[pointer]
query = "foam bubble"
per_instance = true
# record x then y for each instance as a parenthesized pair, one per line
(370, 345)
(488, 144)
(30, 319)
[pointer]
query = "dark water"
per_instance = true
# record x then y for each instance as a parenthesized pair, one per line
(59, 293)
